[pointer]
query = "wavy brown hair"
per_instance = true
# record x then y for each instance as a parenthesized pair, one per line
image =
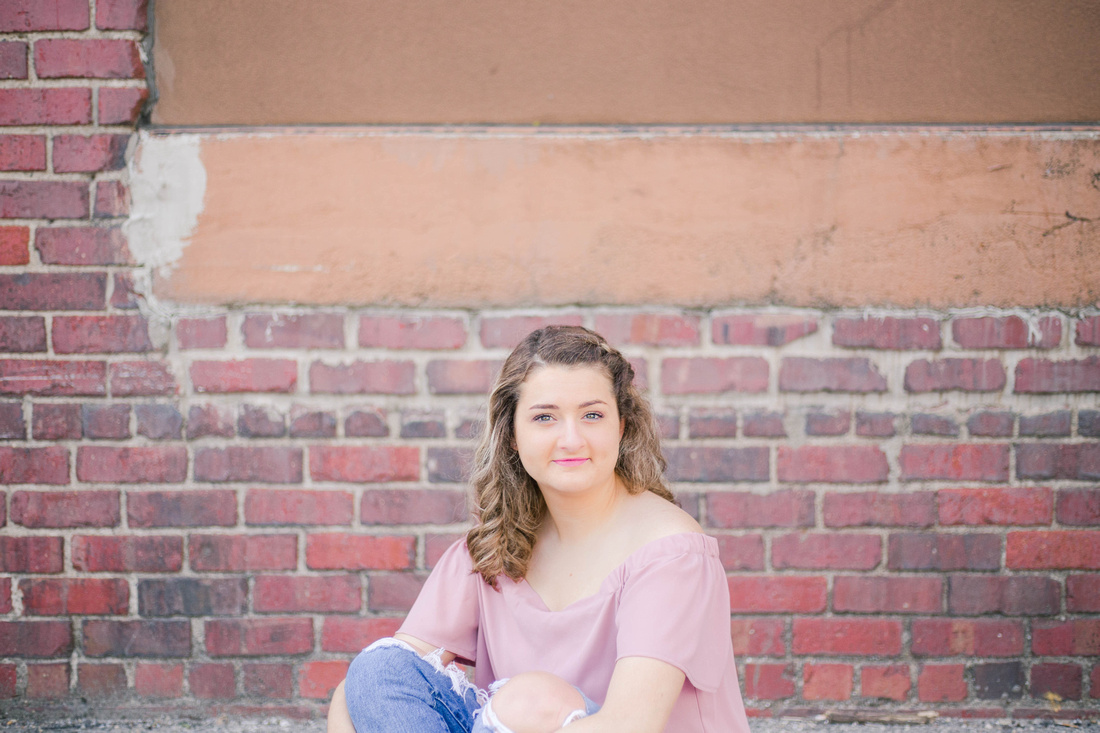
(509, 508)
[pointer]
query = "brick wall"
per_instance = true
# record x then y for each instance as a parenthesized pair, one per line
(219, 508)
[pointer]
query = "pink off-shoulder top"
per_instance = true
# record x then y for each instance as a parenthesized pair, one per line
(668, 600)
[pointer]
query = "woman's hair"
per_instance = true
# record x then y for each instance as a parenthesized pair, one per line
(509, 508)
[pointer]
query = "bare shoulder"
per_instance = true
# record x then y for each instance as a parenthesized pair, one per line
(655, 517)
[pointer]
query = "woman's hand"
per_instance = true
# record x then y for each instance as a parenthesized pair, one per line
(639, 699)
(339, 721)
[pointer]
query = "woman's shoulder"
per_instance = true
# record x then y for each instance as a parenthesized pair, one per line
(654, 517)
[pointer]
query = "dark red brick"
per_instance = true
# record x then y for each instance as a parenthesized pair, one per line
(823, 551)
(282, 331)
(1088, 423)
(649, 329)
(942, 683)
(245, 375)
(875, 424)
(14, 245)
(925, 424)
(777, 594)
(209, 420)
(124, 296)
(998, 680)
(742, 509)
(82, 245)
(860, 594)
(887, 333)
(31, 554)
(1015, 595)
(19, 334)
(242, 553)
(75, 596)
(366, 423)
(47, 681)
(193, 597)
(1080, 461)
(507, 331)
(89, 154)
(1088, 331)
(112, 198)
(741, 552)
(259, 637)
(393, 591)
(53, 291)
(1079, 507)
(54, 509)
(137, 638)
(833, 422)
(212, 681)
(412, 506)
(101, 680)
(59, 58)
(925, 551)
(769, 681)
(35, 639)
(798, 374)
(12, 425)
(105, 422)
(268, 464)
(1077, 637)
(710, 375)
(764, 425)
(342, 551)
(181, 508)
(260, 421)
(1009, 332)
(290, 593)
(141, 379)
(410, 332)
(287, 507)
(162, 464)
(717, 464)
(436, 544)
(832, 464)
(349, 634)
(121, 105)
(121, 15)
(945, 375)
(306, 423)
(363, 377)
(1043, 550)
(159, 422)
(991, 424)
(1056, 679)
(1040, 376)
(834, 636)
(712, 423)
(22, 16)
(1016, 506)
(46, 107)
(201, 333)
(423, 424)
(876, 509)
(34, 465)
(100, 334)
(269, 681)
(448, 465)
(1048, 425)
(13, 60)
(364, 464)
(765, 329)
(121, 554)
(1083, 595)
(21, 152)
(461, 377)
(966, 637)
(930, 462)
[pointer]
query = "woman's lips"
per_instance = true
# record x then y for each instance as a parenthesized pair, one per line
(570, 461)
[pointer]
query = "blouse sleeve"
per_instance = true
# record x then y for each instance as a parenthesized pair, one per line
(676, 608)
(445, 614)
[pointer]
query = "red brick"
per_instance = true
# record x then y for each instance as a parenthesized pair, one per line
(13, 60)
(1063, 680)
(507, 331)
(181, 508)
(193, 597)
(1088, 331)
(424, 424)
(89, 153)
(832, 464)
(31, 554)
(101, 680)
(306, 423)
(55, 509)
(82, 246)
(876, 509)
(965, 637)
(991, 424)
(341, 551)
(1040, 376)
(1094, 682)
(412, 506)
(363, 377)
(161, 464)
(212, 681)
(1066, 638)
(37, 639)
(1069, 550)
(14, 246)
(47, 681)
(201, 333)
(826, 681)
(712, 423)
(245, 375)
(649, 329)
(889, 682)
(58, 58)
(364, 464)
(834, 636)
(1083, 595)
(288, 594)
(110, 422)
(887, 595)
(366, 423)
(281, 331)
(123, 293)
(930, 462)
(765, 329)
(261, 421)
(942, 683)
(436, 544)
(797, 374)
(120, 554)
(22, 152)
(259, 637)
(100, 334)
(764, 425)
(778, 509)
(242, 553)
(317, 680)
(926, 551)
(209, 420)
(8, 681)
(22, 16)
(709, 375)
(759, 636)
(269, 680)
(158, 680)
(769, 681)
(832, 422)
(121, 105)
(22, 334)
(121, 15)
(946, 375)
(927, 424)
(996, 506)
(710, 465)
(1079, 461)
(159, 422)
(393, 591)
(279, 507)
(777, 594)
(53, 291)
(350, 634)
(821, 550)
(268, 464)
(12, 425)
(75, 597)
(410, 332)
(137, 638)
(1009, 332)
(875, 424)
(741, 552)
(461, 377)
(46, 107)
(34, 465)
(1048, 425)
(887, 333)
(142, 378)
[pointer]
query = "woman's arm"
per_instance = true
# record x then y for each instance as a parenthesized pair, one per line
(639, 699)
(423, 648)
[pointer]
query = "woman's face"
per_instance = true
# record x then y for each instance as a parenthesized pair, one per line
(568, 428)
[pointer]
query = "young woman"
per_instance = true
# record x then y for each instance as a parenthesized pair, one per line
(583, 596)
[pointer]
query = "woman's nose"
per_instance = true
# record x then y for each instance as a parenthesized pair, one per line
(570, 437)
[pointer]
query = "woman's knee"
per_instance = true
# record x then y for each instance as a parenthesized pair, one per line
(536, 702)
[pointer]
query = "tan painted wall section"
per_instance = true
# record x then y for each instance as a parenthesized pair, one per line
(515, 218)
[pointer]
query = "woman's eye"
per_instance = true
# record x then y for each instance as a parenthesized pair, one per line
(542, 418)
(593, 416)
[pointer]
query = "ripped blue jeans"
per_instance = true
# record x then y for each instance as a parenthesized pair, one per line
(391, 688)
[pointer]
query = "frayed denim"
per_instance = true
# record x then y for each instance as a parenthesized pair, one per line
(390, 688)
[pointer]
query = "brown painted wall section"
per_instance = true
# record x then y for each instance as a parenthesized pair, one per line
(465, 220)
(257, 62)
